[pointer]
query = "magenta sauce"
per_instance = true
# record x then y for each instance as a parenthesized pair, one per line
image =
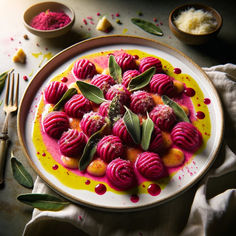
(190, 92)
(134, 198)
(177, 70)
(154, 189)
(200, 115)
(100, 189)
(207, 101)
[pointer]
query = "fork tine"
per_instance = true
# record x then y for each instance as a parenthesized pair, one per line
(7, 89)
(12, 89)
(17, 90)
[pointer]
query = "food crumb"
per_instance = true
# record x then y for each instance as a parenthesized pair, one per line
(104, 25)
(20, 56)
(26, 37)
(12, 39)
(85, 22)
(117, 14)
(25, 78)
(118, 21)
(139, 13)
(98, 13)
(155, 19)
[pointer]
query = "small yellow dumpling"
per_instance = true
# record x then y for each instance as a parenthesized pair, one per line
(97, 167)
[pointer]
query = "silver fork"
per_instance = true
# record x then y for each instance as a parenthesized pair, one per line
(10, 105)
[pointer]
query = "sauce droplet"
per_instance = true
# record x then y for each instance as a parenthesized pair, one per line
(200, 115)
(134, 198)
(100, 189)
(154, 189)
(64, 79)
(87, 182)
(190, 92)
(207, 101)
(177, 70)
(55, 167)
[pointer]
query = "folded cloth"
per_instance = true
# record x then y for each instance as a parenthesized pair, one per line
(208, 208)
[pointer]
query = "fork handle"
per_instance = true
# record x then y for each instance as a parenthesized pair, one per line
(3, 153)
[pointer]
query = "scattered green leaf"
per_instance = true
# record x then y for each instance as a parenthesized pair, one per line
(114, 111)
(147, 26)
(43, 201)
(67, 95)
(179, 112)
(132, 124)
(141, 80)
(90, 148)
(3, 78)
(147, 129)
(91, 92)
(20, 174)
(115, 70)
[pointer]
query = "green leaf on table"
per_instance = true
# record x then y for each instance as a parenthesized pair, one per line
(44, 202)
(114, 69)
(114, 110)
(179, 112)
(67, 95)
(90, 148)
(20, 174)
(91, 92)
(147, 26)
(3, 78)
(147, 129)
(141, 80)
(132, 124)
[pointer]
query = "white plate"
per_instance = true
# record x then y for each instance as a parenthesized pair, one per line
(112, 201)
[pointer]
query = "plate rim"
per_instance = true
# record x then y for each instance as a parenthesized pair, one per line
(21, 115)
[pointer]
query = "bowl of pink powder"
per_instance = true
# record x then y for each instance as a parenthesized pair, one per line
(49, 19)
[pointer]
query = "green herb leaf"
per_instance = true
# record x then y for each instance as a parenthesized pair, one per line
(67, 95)
(3, 78)
(179, 112)
(20, 173)
(114, 112)
(141, 80)
(147, 129)
(147, 26)
(90, 148)
(43, 201)
(132, 124)
(115, 70)
(91, 92)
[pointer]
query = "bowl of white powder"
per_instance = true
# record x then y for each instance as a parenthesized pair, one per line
(195, 23)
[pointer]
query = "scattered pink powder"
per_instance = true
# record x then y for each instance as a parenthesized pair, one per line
(25, 78)
(98, 14)
(89, 17)
(117, 14)
(50, 20)
(155, 19)
(85, 22)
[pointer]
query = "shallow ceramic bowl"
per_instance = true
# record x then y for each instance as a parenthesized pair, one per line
(194, 39)
(42, 7)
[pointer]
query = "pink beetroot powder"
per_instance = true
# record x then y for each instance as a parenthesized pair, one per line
(50, 20)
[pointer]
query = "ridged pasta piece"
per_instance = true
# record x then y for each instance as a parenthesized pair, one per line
(55, 123)
(125, 61)
(77, 106)
(120, 173)
(72, 143)
(104, 82)
(128, 76)
(150, 165)
(156, 143)
(148, 62)
(91, 123)
(109, 148)
(54, 91)
(84, 69)
(186, 136)
(141, 102)
(163, 116)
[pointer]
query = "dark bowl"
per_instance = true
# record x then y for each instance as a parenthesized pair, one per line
(189, 38)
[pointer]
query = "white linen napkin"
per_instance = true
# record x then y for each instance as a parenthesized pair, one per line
(208, 208)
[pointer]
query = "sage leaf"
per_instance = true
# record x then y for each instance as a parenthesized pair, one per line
(67, 95)
(90, 148)
(91, 92)
(44, 202)
(132, 124)
(3, 78)
(114, 110)
(20, 174)
(115, 70)
(179, 112)
(147, 129)
(147, 26)
(141, 80)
